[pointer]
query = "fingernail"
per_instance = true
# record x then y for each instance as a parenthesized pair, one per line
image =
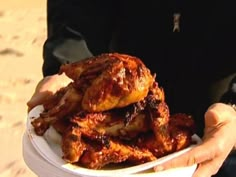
(159, 168)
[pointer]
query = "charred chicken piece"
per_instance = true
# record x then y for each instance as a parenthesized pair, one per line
(169, 138)
(151, 129)
(96, 157)
(97, 140)
(99, 128)
(113, 111)
(111, 124)
(100, 83)
(72, 145)
(110, 81)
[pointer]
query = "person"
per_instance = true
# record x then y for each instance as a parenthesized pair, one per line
(188, 44)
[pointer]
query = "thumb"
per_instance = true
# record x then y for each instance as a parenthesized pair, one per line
(37, 99)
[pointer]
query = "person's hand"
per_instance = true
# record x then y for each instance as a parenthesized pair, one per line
(218, 141)
(46, 88)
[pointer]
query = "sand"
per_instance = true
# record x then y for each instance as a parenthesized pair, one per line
(22, 34)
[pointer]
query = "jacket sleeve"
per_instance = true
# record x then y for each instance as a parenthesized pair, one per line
(66, 48)
(77, 29)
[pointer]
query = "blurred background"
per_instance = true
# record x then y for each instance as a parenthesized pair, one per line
(22, 34)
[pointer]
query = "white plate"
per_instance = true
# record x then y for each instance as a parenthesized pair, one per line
(48, 146)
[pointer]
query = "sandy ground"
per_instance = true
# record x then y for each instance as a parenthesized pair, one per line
(22, 34)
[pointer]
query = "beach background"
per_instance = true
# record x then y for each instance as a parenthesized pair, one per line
(22, 34)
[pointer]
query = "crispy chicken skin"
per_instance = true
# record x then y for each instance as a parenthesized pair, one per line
(96, 157)
(112, 81)
(169, 138)
(72, 141)
(113, 111)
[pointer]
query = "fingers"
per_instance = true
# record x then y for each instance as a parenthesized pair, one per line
(46, 88)
(217, 114)
(211, 153)
(37, 99)
(192, 157)
(208, 168)
(206, 152)
(40, 94)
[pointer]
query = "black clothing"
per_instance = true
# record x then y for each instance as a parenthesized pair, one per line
(194, 65)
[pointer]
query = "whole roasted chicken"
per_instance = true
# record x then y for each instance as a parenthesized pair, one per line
(113, 111)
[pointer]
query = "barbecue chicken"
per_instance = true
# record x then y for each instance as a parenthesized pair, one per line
(113, 111)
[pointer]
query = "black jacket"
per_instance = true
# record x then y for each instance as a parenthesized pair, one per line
(194, 65)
